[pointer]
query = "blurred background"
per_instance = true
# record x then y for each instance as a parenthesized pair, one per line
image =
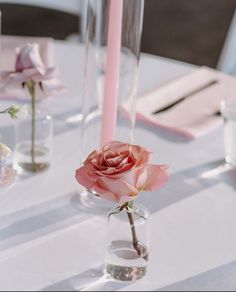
(201, 32)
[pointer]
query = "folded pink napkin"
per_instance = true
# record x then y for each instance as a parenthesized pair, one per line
(8, 44)
(189, 105)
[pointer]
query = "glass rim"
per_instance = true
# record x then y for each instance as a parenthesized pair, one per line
(228, 108)
(136, 205)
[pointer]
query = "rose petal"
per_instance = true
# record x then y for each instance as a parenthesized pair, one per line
(88, 163)
(118, 187)
(143, 158)
(84, 178)
(115, 161)
(105, 194)
(51, 73)
(126, 199)
(28, 57)
(116, 147)
(52, 87)
(113, 171)
(153, 178)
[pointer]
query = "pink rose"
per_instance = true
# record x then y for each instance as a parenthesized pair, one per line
(120, 171)
(29, 66)
(28, 57)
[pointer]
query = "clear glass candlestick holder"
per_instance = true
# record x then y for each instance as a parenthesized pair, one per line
(2, 167)
(99, 18)
(127, 243)
(33, 139)
(228, 111)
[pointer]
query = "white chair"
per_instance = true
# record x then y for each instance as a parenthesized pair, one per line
(73, 7)
(70, 6)
(227, 60)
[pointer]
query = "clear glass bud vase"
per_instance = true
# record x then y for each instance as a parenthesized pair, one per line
(33, 142)
(127, 242)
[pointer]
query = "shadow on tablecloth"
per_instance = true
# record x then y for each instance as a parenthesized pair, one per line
(32, 223)
(219, 279)
(62, 212)
(188, 183)
(90, 280)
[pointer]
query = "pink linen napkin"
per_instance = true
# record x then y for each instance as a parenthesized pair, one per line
(190, 104)
(8, 56)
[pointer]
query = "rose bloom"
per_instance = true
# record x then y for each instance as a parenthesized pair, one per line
(4, 151)
(120, 171)
(30, 67)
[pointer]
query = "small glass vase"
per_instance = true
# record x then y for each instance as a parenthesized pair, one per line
(7, 174)
(128, 242)
(33, 142)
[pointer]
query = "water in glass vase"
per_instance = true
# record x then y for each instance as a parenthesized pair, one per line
(23, 156)
(33, 138)
(123, 262)
(128, 243)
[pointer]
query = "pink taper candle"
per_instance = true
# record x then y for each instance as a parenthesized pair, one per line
(110, 102)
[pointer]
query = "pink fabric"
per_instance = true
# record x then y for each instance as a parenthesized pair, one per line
(197, 114)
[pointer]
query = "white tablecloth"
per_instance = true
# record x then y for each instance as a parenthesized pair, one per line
(47, 242)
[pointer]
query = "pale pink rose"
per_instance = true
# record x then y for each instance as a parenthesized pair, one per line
(30, 67)
(28, 57)
(120, 171)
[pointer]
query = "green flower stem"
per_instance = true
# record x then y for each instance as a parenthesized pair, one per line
(136, 245)
(140, 249)
(5, 111)
(31, 88)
